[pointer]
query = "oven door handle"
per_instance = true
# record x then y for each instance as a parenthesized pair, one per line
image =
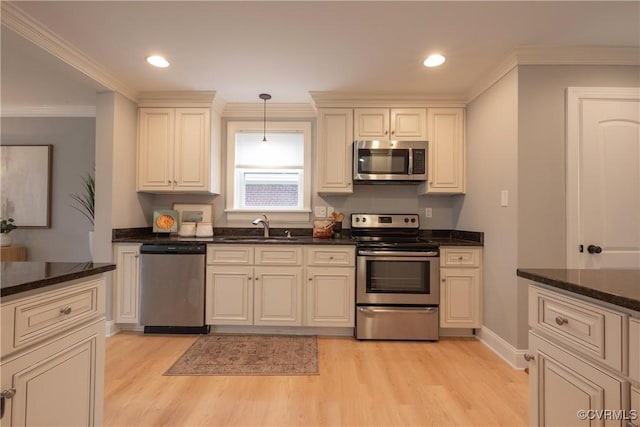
(397, 309)
(399, 254)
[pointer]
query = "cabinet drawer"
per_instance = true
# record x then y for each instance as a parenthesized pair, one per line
(278, 255)
(635, 406)
(34, 319)
(229, 254)
(634, 350)
(588, 328)
(342, 257)
(460, 257)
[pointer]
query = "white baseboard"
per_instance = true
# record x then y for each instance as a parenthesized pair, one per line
(110, 328)
(506, 351)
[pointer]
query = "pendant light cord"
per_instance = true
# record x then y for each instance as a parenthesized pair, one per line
(264, 97)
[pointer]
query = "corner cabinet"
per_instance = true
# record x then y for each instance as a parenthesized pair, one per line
(402, 124)
(52, 366)
(127, 282)
(334, 152)
(461, 287)
(446, 173)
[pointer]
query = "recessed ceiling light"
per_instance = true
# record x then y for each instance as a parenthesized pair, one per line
(158, 61)
(434, 60)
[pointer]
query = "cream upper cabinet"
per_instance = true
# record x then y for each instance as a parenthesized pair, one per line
(127, 282)
(446, 171)
(174, 151)
(461, 287)
(400, 124)
(334, 151)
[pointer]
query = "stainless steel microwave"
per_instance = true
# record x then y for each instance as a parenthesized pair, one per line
(393, 161)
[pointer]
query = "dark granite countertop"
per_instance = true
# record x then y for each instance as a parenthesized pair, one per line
(21, 276)
(618, 287)
(302, 236)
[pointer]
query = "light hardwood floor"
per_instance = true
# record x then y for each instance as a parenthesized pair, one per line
(453, 382)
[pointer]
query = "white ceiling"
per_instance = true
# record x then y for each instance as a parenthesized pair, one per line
(240, 49)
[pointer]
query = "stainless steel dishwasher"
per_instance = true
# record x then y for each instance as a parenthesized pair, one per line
(172, 287)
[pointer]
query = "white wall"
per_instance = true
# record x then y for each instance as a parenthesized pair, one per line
(492, 156)
(73, 141)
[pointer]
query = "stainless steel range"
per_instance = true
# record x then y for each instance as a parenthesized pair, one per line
(397, 278)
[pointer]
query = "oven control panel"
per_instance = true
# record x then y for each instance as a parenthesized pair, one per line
(385, 221)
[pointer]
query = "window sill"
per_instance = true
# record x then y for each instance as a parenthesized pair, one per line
(245, 216)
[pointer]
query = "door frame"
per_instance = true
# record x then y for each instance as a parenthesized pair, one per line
(574, 98)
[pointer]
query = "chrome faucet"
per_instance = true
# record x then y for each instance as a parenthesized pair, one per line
(265, 223)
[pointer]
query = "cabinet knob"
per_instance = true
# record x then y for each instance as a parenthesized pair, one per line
(529, 357)
(444, 280)
(459, 258)
(6, 394)
(393, 132)
(65, 310)
(561, 320)
(310, 279)
(386, 132)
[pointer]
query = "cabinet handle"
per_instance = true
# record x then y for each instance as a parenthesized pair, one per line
(65, 310)
(386, 132)
(6, 394)
(460, 258)
(310, 279)
(444, 280)
(561, 321)
(529, 357)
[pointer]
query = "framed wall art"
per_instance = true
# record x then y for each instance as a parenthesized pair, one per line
(25, 176)
(194, 212)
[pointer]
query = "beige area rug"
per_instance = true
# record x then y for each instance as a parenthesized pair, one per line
(249, 355)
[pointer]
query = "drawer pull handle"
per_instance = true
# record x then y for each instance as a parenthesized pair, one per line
(561, 321)
(528, 357)
(460, 258)
(6, 394)
(65, 310)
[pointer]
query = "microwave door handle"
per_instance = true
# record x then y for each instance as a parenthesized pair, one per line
(410, 170)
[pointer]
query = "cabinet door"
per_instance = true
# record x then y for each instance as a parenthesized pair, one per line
(60, 383)
(127, 282)
(460, 298)
(371, 123)
(192, 162)
(334, 151)
(634, 350)
(155, 149)
(330, 297)
(409, 124)
(278, 296)
(446, 150)
(561, 385)
(229, 295)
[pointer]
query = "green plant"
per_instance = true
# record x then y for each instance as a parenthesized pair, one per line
(87, 199)
(6, 225)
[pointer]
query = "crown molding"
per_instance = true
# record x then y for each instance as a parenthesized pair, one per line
(382, 100)
(279, 111)
(560, 55)
(28, 27)
(48, 111)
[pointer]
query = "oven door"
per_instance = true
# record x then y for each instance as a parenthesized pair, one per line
(388, 277)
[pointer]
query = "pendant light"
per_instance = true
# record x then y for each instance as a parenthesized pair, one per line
(264, 97)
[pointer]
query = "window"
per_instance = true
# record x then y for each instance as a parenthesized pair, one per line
(269, 177)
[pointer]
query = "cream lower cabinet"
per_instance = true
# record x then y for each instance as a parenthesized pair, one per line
(330, 286)
(127, 282)
(460, 287)
(52, 366)
(334, 151)
(259, 285)
(578, 354)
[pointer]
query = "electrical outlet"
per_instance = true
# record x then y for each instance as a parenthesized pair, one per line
(330, 211)
(320, 211)
(428, 212)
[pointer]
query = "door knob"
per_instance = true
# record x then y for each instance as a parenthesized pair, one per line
(593, 249)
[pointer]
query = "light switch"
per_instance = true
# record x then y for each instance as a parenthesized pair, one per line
(428, 212)
(320, 211)
(330, 210)
(504, 198)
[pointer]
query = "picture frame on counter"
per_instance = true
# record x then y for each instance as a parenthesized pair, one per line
(194, 212)
(165, 221)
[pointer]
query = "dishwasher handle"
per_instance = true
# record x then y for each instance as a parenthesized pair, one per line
(170, 248)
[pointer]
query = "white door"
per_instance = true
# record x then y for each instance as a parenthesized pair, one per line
(603, 182)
